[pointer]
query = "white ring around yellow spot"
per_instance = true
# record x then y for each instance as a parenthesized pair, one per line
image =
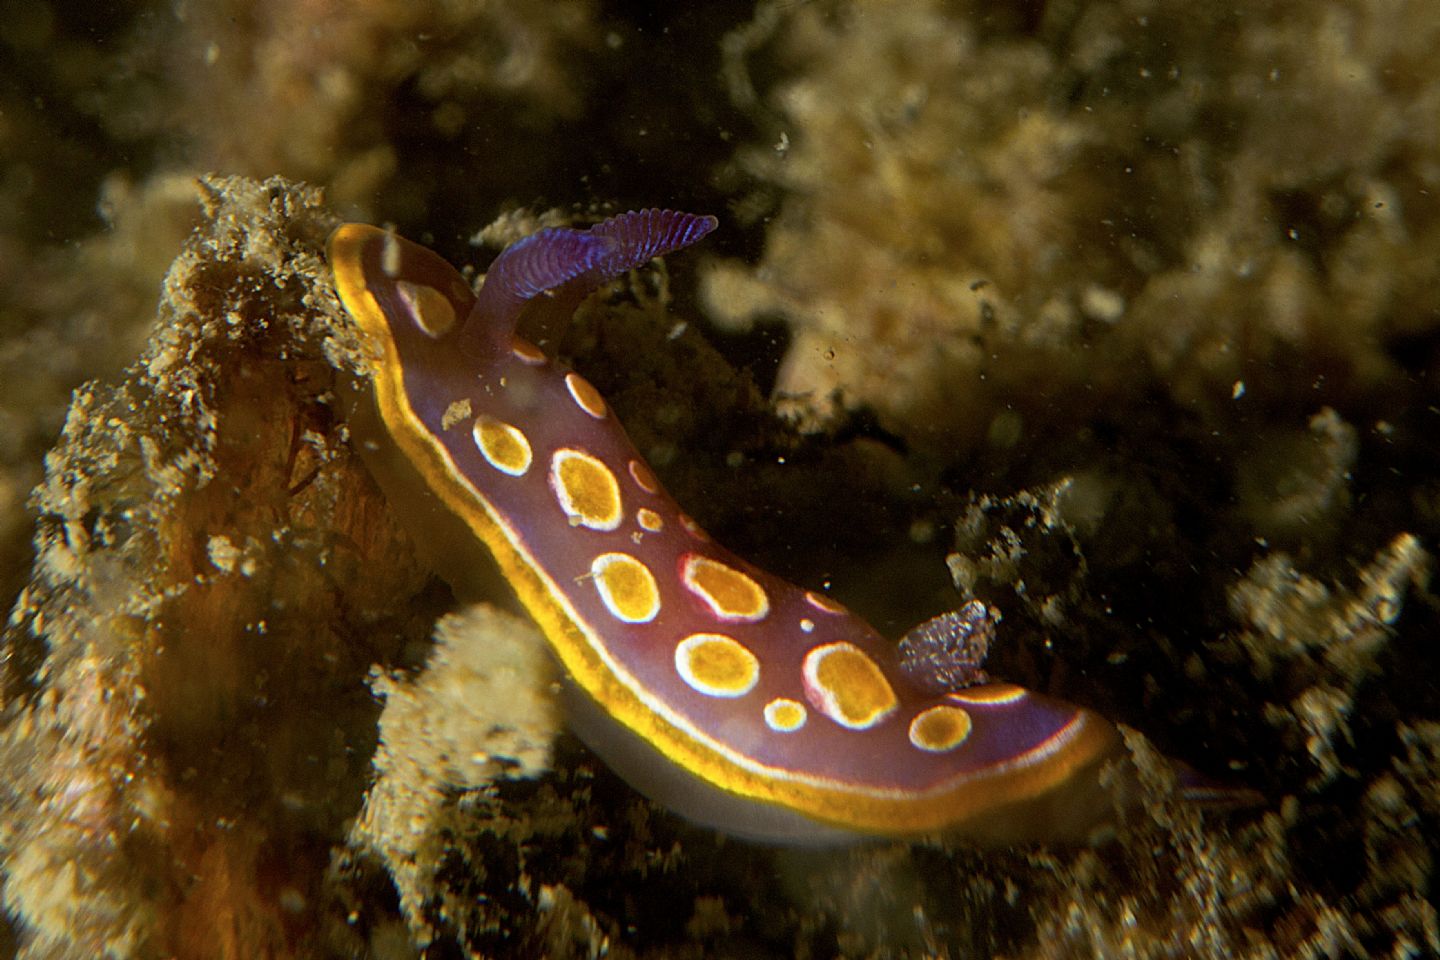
(626, 587)
(807, 625)
(989, 694)
(503, 446)
(821, 602)
(586, 489)
(940, 729)
(845, 684)
(527, 352)
(644, 477)
(716, 665)
(585, 395)
(649, 520)
(432, 311)
(784, 715)
(730, 594)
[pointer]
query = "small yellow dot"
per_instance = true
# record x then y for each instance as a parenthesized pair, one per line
(939, 729)
(457, 412)
(650, 520)
(784, 715)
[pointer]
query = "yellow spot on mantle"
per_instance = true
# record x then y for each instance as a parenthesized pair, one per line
(842, 682)
(784, 715)
(730, 594)
(504, 447)
(940, 728)
(585, 395)
(716, 665)
(821, 602)
(644, 477)
(626, 586)
(989, 693)
(586, 489)
(527, 352)
(432, 311)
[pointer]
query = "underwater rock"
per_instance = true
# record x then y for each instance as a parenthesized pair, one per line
(214, 575)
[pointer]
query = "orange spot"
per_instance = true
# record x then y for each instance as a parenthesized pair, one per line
(940, 729)
(990, 693)
(821, 602)
(586, 489)
(527, 352)
(644, 477)
(730, 594)
(504, 447)
(626, 587)
(842, 682)
(650, 520)
(716, 665)
(784, 715)
(431, 309)
(586, 397)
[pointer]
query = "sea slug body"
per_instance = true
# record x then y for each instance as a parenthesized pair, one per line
(738, 699)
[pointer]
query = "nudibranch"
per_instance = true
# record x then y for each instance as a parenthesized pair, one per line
(736, 698)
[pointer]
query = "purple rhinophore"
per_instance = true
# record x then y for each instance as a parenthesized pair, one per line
(573, 263)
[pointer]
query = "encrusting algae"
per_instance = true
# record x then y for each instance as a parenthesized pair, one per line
(976, 203)
(482, 708)
(213, 572)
